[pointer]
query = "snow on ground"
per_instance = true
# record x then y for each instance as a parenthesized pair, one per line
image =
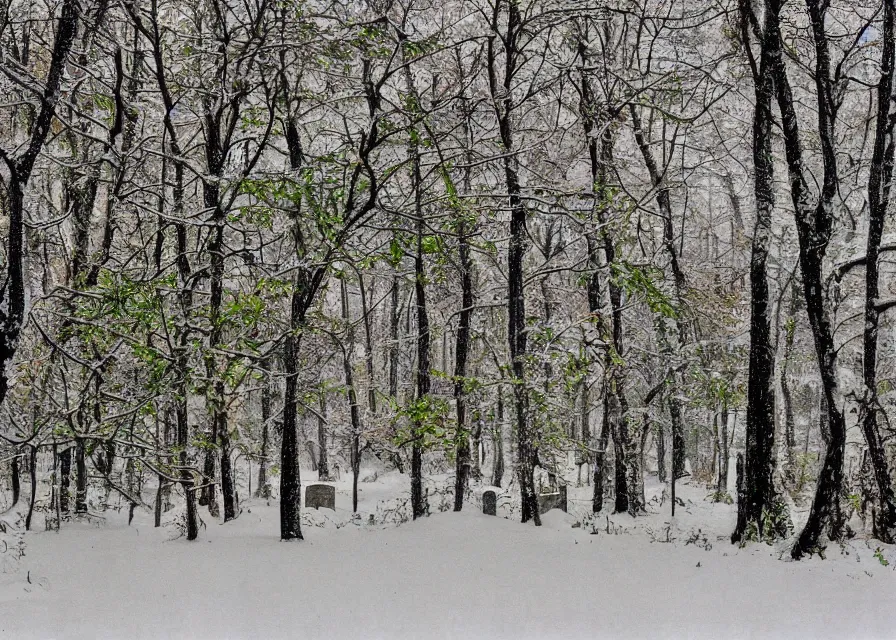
(449, 575)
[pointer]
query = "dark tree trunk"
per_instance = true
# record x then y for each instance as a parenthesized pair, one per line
(660, 451)
(597, 502)
(303, 292)
(290, 482)
(12, 293)
(187, 481)
(502, 97)
(32, 469)
(759, 491)
(418, 507)
(741, 524)
(462, 341)
(814, 223)
(879, 194)
(678, 445)
(16, 487)
(461, 347)
(157, 511)
(65, 470)
(393, 338)
(216, 144)
(619, 430)
(80, 477)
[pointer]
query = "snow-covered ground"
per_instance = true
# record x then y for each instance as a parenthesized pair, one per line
(448, 575)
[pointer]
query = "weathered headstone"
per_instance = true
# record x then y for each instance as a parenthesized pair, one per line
(490, 503)
(320, 495)
(555, 500)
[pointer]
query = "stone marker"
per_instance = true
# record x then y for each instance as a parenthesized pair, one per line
(489, 503)
(320, 495)
(556, 500)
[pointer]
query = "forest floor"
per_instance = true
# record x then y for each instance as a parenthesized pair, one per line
(448, 575)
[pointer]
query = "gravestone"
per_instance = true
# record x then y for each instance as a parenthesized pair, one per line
(490, 503)
(320, 495)
(556, 500)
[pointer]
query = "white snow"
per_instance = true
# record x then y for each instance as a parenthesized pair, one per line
(448, 575)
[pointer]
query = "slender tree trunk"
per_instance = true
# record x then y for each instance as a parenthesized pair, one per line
(263, 490)
(216, 399)
(879, 194)
(80, 477)
(418, 507)
(187, 482)
(32, 469)
(65, 470)
(351, 392)
(16, 487)
(462, 341)
(619, 431)
(722, 485)
(660, 451)
(393, 338)
(498, 466)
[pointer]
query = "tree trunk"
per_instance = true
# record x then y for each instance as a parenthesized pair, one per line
(660, 451)
(879, 194)
(290, 480)
(393, 338)
(65, 470)
(80, 477)
(418, 508)
(32, 469)
(758, 491)
(352, 396)
(722, 485)
(12, 311)
(502, 98)
(619, 431)
(263, 490)
(187, 481)
(16, 488)
(157, 511)
(462, 344)
(498, 466)
(786, 394)
(323, 465)
(597, 502)
(814, 223)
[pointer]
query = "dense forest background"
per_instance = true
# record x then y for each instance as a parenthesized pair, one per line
(502, 239)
